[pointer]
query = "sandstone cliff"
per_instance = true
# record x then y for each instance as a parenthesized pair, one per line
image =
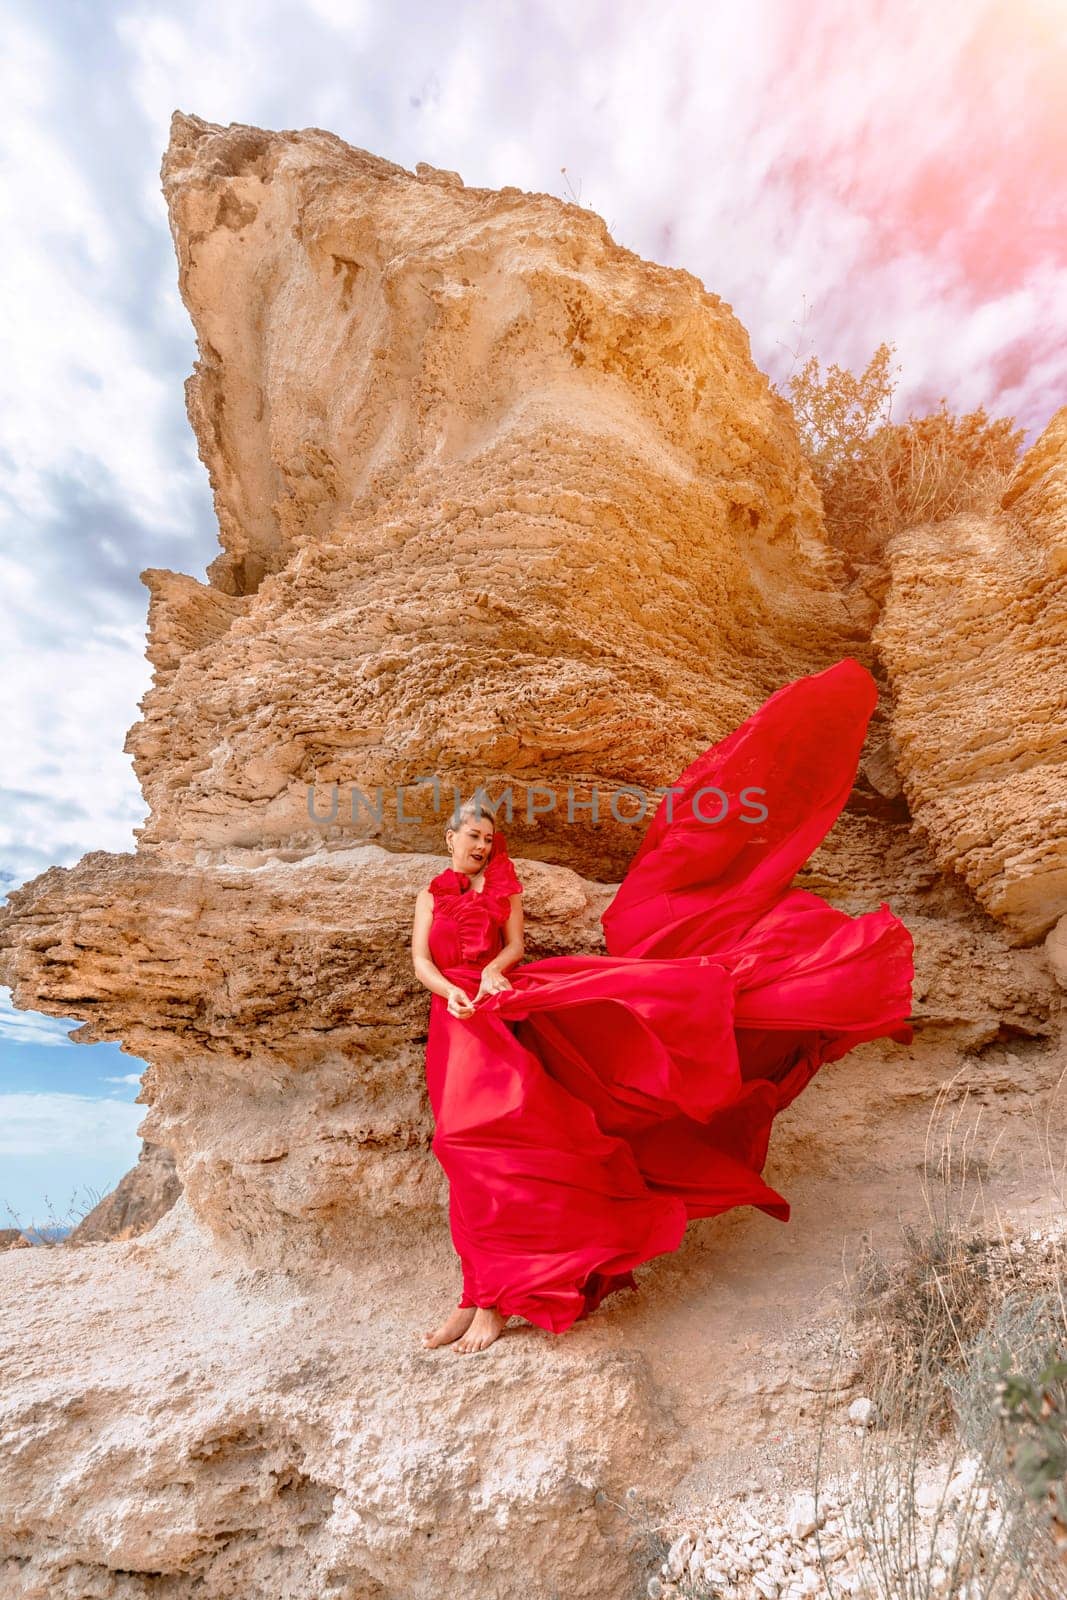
(498, 500)
(503, 503)
(136, 1204)
(974, 639)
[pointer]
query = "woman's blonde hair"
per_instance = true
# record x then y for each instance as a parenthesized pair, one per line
(469, 809)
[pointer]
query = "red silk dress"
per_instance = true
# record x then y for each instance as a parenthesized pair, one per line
(586, 1114)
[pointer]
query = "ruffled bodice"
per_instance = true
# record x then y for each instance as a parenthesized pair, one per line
(468, 924)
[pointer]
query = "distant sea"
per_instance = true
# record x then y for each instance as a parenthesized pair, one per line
(46, 1235)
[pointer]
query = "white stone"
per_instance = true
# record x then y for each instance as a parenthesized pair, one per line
(655, 1589)
(963, 1478)
(862, 1412)
(800, 1520)
(928, 1496)
(1056, 951)
(678, 1555)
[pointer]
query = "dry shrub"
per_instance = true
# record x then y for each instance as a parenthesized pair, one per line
(966, 1368)
(53, 1232)
(961, 1338)
(921, 1313)
(921, 1310)
(877, 476)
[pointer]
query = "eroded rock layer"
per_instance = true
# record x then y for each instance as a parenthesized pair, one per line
(137, 1202)
(974, 638)
(275, 1002)
(500, 502)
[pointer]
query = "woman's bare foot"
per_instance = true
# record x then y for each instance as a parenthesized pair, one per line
(450, 1329)
(486, 1326)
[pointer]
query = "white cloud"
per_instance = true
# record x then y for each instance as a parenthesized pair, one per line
(78, 390)
(67, 785)
(126, 1077)
(347, 16)
(32, 1027)
(50, 1124)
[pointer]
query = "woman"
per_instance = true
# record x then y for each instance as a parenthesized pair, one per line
(588, 1106)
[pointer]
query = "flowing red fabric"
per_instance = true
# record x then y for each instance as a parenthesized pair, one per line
(586, 1114)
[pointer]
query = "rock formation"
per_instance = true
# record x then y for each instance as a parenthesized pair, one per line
(974, 639)
(136, 1204)
(500, 504)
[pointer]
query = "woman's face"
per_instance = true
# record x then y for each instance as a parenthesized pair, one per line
(470, 844)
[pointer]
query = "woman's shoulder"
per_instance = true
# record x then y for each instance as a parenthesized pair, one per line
(445, 884)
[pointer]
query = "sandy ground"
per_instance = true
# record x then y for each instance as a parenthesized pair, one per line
(724, 1346)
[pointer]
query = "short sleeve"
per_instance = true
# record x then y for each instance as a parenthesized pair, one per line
(505, 878)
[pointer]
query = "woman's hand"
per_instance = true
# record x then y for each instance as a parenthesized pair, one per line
(459, 1002)
(492, 983)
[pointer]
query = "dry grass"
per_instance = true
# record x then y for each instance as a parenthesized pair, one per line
(877, 476)
(44, 1232)
(961, 1336)
(924, 1307)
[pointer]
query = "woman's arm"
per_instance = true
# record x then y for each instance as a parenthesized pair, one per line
(430, 976)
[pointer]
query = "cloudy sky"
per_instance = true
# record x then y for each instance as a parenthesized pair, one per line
(841, 171)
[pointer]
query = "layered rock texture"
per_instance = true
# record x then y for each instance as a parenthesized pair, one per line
(499, 501)
(500, 504)
(974, 639)
(136, 1204)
